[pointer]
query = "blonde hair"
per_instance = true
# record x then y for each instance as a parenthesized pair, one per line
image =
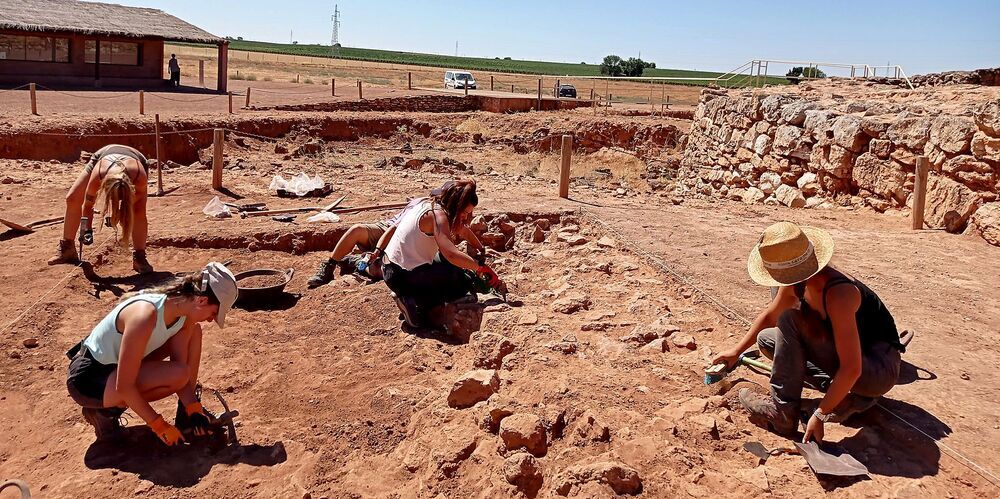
(119, 196)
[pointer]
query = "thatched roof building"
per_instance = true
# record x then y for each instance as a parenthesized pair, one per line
(70, 42)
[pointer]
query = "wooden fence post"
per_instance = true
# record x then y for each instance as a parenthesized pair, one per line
(409, 80)
(360, 97)
(466, 87)
(230, 102)
(555, 91)
(333, 87)
(247, 106)
(511, 88)
(159, 160)
(219, 139)
(538, 104)
(491, 83)
(201, 72)
(919, 193)
(142, 102)
(34, 101)
(567, 154)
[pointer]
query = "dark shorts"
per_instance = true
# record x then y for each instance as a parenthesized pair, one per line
(87, 379)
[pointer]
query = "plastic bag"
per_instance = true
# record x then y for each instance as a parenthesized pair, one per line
(325, 216)
(217, 209)
(300, 185)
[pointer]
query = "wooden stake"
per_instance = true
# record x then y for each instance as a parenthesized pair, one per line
(538, 104)
(360, 97)
(466, 87)
(409, 80)
(34, 101)
(511, 88)
(555, 91)
(201, 72)
(230, 102)
(333, 87)
(567, 154)
(247, 106)
(920, 193)
(159, 160)
(218, 141)
(142, 102)
(591, 94)
(491, 83)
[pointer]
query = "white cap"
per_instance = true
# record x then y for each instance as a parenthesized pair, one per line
(223, 284)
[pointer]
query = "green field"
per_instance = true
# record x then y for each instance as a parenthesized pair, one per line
(500, 65)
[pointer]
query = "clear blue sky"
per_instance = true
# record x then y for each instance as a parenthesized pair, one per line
(921, 35)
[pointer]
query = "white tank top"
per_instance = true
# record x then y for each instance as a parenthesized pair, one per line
(105, 341)
(410, 247)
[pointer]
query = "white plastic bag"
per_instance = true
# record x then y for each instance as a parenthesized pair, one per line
(300, 185)
(325, 216)
(217, 209)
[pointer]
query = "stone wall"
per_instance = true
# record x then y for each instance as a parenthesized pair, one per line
(803, 151)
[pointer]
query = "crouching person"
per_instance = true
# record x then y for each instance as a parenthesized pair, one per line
(823, 328)
(148, 348)
(423, 265)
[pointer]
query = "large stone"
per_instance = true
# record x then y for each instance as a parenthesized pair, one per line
(987, 118)
(986, 147)
(875, 126)
(770, 107)
(621, 478)
(790, 196)
(754, 195)
(490, 351)
(762, 145)
(880, 177)
(794, 113)
(968, 170)
(817, 122)
(986, 222)
(522, 471)
(952, 133)
(524, 431)
(571, 303)
(769, 181)
(808, 184)
(910, 132)
(880, 148)
(847, 133)
(588, 429)
(473, 387)
(787, 140)
(949, 204)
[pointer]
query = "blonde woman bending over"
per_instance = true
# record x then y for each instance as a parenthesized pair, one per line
(116, 175)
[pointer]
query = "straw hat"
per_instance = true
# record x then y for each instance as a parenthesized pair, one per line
(788, 254)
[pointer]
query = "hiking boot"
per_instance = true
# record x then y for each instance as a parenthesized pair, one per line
(139, 262)
(409, 310)
(765, 413)
(324, 274)
(65, 254)
(106, 422)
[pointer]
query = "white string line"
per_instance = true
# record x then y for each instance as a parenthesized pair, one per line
(980, 470)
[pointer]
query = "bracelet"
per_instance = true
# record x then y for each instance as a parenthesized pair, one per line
(822, 417)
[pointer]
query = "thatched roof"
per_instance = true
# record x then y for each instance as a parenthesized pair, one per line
(91, 18)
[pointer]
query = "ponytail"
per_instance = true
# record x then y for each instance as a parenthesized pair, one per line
(119, 196)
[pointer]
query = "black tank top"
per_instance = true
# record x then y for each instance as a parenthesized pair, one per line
(875, 323)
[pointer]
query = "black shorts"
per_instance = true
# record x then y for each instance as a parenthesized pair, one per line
(87, 379)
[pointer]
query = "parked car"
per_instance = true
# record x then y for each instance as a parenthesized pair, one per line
(567, 90)
(459, 79)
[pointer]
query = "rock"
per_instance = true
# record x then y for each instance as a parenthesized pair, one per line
(877, 204)
(523, 431)
(948, 201)
(769, 181)
(571, 303)
(807, 184)
(684, 341)
(538, 235)
(414, 164)
(910, 132)
(762, 145)
(952, 133)
(30, 342)
(473, 387)
(543, 223)
(528, 318)
(795, 112)
(309, 148)
(659, 345)
(817, 123)
(790, 196)
(490, 350)
(280, 149)
(571, 238)
(14, 353)
(847, 133)
(875, 126)
(607, 242)
(770, 107)
(459, 318)
(497, 241)
(522, 471)
(986, 147)
(753, 195)
(881, 177)
(786, 139)
(973, 173)
(588, 429)
(621, 478)
(880, 148)
(705, 423)
(987, 118)
(986, 222)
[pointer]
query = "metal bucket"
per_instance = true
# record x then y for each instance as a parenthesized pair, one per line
(268, 292)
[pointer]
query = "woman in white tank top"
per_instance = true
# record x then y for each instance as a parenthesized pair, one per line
(122, 364)
(424, 267)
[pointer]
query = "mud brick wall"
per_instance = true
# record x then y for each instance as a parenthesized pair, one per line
(423, 103)
(785, 148)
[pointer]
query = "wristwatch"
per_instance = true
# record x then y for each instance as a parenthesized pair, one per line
(822, 417)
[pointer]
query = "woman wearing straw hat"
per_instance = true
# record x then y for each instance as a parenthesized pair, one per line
(122, 363)
(823, 327)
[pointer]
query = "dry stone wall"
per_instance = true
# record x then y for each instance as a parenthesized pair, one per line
(800, 151)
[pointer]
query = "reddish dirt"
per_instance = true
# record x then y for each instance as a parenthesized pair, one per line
(337, 401)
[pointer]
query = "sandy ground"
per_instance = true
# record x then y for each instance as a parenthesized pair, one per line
(336, 400)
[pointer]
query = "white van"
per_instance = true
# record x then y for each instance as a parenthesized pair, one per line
(459, 79)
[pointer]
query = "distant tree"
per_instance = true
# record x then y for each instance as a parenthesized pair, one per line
(295, 42)
(506, 58)
(612, 66)
(239, 38)
(634, 66)
(797, 73)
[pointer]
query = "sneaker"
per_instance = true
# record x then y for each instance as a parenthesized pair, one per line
(106, 422)
(409, 310)
(324, 274)
(139, 262)
(65, 254)
(765, 414)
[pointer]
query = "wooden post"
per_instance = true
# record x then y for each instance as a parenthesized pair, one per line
(333, 87)
(142, 103)
(247, 106)
(511, 88)
(230, 102)
(567, 154)
(491, 83)
(591, 94)
(538, 105)
(609, 100)
(159, 160)
(296, 78)
(466, 87)
(222, 74)
(409, 80)
(920, 193)
(218, 141)
(201, 72)
(555, 91)
(34, 101)
(360, 97)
